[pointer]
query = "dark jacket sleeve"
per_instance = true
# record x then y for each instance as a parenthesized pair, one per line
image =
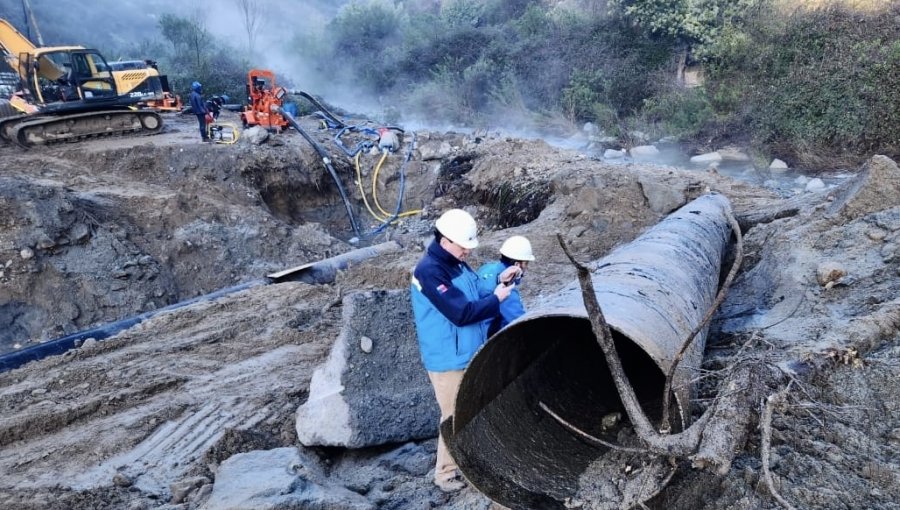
(438, 287)
(197, 106)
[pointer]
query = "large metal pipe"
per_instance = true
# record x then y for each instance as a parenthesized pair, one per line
(653, 291)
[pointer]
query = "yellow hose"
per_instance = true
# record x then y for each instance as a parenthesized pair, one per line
(384, 154)
(362, 191)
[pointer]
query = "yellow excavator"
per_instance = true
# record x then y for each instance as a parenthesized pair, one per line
(70, 92)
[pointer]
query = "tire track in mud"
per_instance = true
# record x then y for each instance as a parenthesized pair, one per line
(18, 428)
(151, 408)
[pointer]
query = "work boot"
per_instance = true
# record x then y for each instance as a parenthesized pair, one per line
(451, 485)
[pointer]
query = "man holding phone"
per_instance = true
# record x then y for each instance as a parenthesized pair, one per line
(452, 317)
(515, 252)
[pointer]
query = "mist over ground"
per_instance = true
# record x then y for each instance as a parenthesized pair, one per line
(287, 34)
(124, 29)
(681, 72)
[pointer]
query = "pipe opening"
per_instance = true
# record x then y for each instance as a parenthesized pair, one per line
(510, 448)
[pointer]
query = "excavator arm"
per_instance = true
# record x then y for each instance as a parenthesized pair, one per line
(12, 44)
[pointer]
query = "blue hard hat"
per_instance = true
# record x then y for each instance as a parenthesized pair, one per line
(196, 85)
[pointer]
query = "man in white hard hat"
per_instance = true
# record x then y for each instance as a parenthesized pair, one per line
(514, 253)
(451, 319)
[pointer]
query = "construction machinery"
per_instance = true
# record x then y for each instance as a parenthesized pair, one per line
(136, 71)
(265, 101)
(71, 92)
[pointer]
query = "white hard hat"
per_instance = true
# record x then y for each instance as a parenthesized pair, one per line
(458, 226)
(517, 248)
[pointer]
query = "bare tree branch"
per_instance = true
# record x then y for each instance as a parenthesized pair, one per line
(587, 436)
(251, 16)
(682, 444)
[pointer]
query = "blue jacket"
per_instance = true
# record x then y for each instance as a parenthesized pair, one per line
(511, 308)
(451, 315)
(198, 106)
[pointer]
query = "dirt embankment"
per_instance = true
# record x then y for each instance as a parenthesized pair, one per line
(110, 228)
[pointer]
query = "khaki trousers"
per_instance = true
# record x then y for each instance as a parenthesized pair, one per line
(445, 386)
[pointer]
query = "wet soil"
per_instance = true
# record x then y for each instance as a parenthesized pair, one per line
(105, 229)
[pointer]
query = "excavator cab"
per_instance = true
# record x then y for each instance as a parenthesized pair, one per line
(68, 79)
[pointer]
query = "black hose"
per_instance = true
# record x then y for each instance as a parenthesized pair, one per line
(339, 123)
(325, 159)
(315, 273)
(361, 146)
(60, 345)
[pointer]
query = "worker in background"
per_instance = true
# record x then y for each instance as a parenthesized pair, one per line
(198, 107)
(452, 319)
(515, 252)
(214, 105)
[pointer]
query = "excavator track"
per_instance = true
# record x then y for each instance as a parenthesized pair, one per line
(6, 126)
(9, 116)
(64, 128)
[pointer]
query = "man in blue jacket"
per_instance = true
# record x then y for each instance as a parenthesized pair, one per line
(515, 252)
(198, 108)
(451, 319)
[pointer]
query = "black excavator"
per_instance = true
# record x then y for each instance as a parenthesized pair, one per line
(70, 92)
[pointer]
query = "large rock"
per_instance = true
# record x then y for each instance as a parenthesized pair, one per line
(644, 152)
(705, 159)
(876, 188)
(359, 398)
(283, 479)
(255, 135)
(733, 155)
(435, 149)
(663, 198)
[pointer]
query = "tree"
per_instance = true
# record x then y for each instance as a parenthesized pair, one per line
(252, 12)
(188, 38)
(694, 23)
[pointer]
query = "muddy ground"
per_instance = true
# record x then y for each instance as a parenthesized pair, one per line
(105, 229)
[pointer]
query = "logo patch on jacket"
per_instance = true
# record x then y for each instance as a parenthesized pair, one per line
(442, 288)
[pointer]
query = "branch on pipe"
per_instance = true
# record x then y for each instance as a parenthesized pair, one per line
(681, 444)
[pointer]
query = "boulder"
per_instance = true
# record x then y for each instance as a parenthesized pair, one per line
(644, 152)
(734, 155)
(815, 185)
(778, 166)
(705, 159)
(283, 478)
(662, 197)
(435, 149)
(255, 135)
(372, 389)
(829, 271)
(874, 189)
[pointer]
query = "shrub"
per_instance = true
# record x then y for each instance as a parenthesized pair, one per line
(832, 83)
(679, 112)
